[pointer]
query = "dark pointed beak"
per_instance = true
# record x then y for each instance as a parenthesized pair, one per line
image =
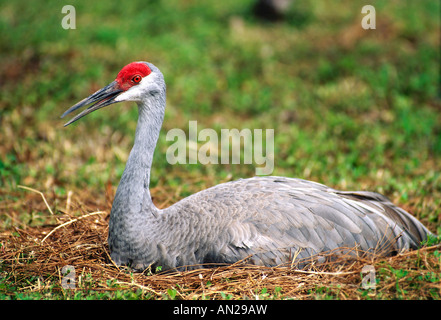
(102, 98)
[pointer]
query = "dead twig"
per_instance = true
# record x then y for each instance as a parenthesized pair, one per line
(71, 221)
(40, 193)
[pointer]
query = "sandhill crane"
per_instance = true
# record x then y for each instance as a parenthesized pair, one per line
(265, 220)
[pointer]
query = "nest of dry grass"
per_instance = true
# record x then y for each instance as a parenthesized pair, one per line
(40, 253)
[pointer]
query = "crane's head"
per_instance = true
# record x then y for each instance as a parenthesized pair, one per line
(135, 82)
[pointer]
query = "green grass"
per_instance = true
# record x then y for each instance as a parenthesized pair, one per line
(351, 108)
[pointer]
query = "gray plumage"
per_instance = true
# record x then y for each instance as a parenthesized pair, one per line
(268, 220)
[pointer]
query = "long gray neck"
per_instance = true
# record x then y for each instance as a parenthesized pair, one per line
(133, 195)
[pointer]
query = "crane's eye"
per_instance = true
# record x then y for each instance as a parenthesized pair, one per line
(136, 79)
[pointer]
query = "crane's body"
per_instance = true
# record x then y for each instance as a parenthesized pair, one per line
(266, 220)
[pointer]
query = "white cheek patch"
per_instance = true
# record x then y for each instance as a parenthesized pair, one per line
(136, 92)
(125, 96)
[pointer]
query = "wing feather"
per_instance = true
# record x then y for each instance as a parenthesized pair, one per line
(270, 218)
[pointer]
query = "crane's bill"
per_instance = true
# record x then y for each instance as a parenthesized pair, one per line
(102, 98)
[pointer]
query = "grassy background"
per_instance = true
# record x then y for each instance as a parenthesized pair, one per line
(351, 108)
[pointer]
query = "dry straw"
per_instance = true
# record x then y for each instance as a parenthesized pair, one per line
(80, 240)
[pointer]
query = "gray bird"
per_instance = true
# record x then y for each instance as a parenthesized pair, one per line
(265, 220)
